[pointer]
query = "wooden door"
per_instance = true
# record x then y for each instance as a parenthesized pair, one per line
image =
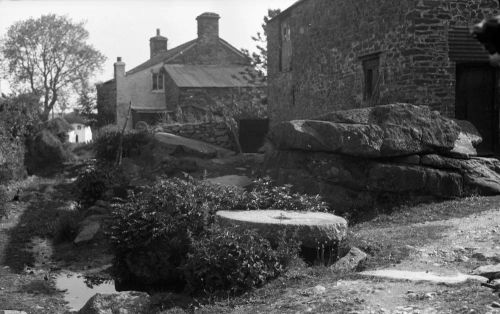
(475, 102)
(252, 134)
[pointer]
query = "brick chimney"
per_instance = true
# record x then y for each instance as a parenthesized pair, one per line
(157, 44)
(208, 28)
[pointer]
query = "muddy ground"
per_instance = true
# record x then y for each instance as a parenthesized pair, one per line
(443, 238)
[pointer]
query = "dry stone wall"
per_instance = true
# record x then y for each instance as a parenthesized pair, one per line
(216, 133)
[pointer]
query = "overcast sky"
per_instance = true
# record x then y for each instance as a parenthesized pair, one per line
(123, 27)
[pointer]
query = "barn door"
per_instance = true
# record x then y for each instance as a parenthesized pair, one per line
(475, 102)
(252, 134)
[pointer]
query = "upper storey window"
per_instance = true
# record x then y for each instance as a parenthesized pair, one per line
(286, 46)
(157, 81)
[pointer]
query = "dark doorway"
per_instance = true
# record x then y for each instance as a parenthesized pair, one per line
(252, 134)
(475, 102)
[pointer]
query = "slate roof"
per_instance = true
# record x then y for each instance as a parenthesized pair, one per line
(163, 57)
(187, 75)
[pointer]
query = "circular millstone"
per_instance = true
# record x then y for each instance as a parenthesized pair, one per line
(312, 228)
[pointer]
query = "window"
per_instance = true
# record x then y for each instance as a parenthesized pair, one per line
(286, 47)
(157, 81)
(371, 75)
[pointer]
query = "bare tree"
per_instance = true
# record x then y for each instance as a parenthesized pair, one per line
(48, 55)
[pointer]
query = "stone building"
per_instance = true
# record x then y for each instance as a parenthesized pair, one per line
(190, 78)
(326, 55)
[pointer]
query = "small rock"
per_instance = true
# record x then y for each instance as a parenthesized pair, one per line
(462, 258)
(125, 302)
(495, 305)
(102, 203)
(319, 289)
(96, 210)
(351, 261)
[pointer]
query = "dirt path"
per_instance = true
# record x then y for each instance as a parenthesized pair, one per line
(25, 269)
(441, 238)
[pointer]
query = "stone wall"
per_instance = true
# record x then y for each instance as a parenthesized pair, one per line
(216, 133)
(331, 38)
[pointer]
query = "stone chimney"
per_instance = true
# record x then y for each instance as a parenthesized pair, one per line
(122, 101)
(208, 28)
(157, 44)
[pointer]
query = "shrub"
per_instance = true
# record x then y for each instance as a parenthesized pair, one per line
(163, 228)
(266, 195)
(107, 142)
(95, 179)
(227, 260)
(66, 227)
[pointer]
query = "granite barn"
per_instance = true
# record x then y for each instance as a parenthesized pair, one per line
(327, 55)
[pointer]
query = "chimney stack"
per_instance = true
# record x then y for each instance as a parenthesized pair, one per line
(208, 28)
(157, 44)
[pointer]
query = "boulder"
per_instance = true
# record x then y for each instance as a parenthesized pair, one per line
(124, 302)
(180, 146)
(489, 271)
(88, 230)
(311, 228)
(323, 136)
(350, 261)
(382, 131)
(482, 175)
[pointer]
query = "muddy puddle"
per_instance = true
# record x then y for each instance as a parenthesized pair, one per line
(78, 289)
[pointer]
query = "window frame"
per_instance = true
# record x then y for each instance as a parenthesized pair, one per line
(371, 76)
(156, 79)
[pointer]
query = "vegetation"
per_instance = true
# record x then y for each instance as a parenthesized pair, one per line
(95, 179)
(107, 143)
(168, 234)
(49, 56)
(259, 58)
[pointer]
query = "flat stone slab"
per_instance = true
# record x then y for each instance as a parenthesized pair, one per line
(174, 144)
(88, 232)
(231, 180)
(311, 228)
(488, 271)
(421, 276)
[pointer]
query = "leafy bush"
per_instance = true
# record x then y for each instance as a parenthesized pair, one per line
(107, 142)
(266, 195)
(94, 179)
(66, 227)
(227, 260)
(170, 224)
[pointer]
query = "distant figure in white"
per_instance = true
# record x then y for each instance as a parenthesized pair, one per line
(80, 133)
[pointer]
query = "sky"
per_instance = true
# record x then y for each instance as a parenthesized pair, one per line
(122, 28)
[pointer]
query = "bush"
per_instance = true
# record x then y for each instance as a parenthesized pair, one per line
(107, 142)
(171, 224)
(265, 195)
(227, 260)
(66, 227)
(95, 179)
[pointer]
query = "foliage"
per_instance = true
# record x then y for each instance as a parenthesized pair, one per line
(232, 261)
(95, 179)
(48, 56)
(66, 226)
(266, 195)
(87, 103)
(106, 144)
(18, 116)
(171, 224)
(259, 58)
